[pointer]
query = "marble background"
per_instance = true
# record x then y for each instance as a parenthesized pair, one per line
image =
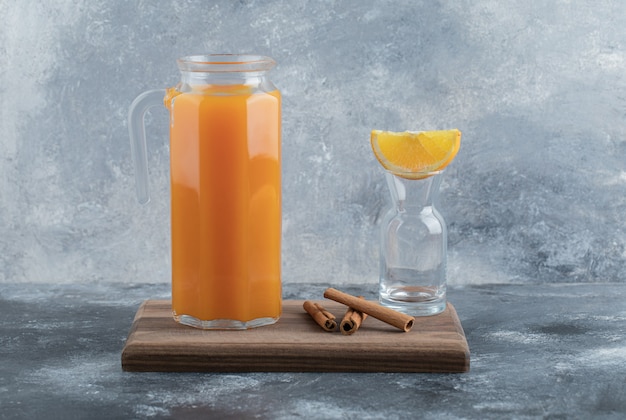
(536, 194)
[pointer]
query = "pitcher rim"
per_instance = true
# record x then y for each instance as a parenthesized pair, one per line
(414, 176)
(225, 63)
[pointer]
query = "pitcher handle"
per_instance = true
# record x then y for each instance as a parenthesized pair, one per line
(137, 132)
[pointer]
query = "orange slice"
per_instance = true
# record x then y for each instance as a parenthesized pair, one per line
(415, 155)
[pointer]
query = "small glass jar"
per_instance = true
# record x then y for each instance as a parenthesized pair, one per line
(413, 248)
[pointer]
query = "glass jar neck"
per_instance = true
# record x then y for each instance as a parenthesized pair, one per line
(413, 194)
(224, 69)
(221, 79)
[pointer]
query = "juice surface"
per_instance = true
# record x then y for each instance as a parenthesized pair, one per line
(226, 204)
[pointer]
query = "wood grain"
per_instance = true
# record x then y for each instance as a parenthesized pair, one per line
(156, 343)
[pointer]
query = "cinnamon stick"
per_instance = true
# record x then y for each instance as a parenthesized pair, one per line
(322, 317)
(352, 320)
(387, 315)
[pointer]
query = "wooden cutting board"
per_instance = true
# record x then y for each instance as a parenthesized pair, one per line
(156, 343)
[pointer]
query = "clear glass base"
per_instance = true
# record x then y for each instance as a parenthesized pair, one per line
(223, 324)
(414, 301)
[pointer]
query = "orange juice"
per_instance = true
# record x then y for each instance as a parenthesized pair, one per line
(226, 206)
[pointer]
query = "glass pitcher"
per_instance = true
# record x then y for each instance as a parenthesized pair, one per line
(225, 173)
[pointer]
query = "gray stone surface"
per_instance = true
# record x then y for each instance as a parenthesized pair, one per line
(537, 193)
(541, 351)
